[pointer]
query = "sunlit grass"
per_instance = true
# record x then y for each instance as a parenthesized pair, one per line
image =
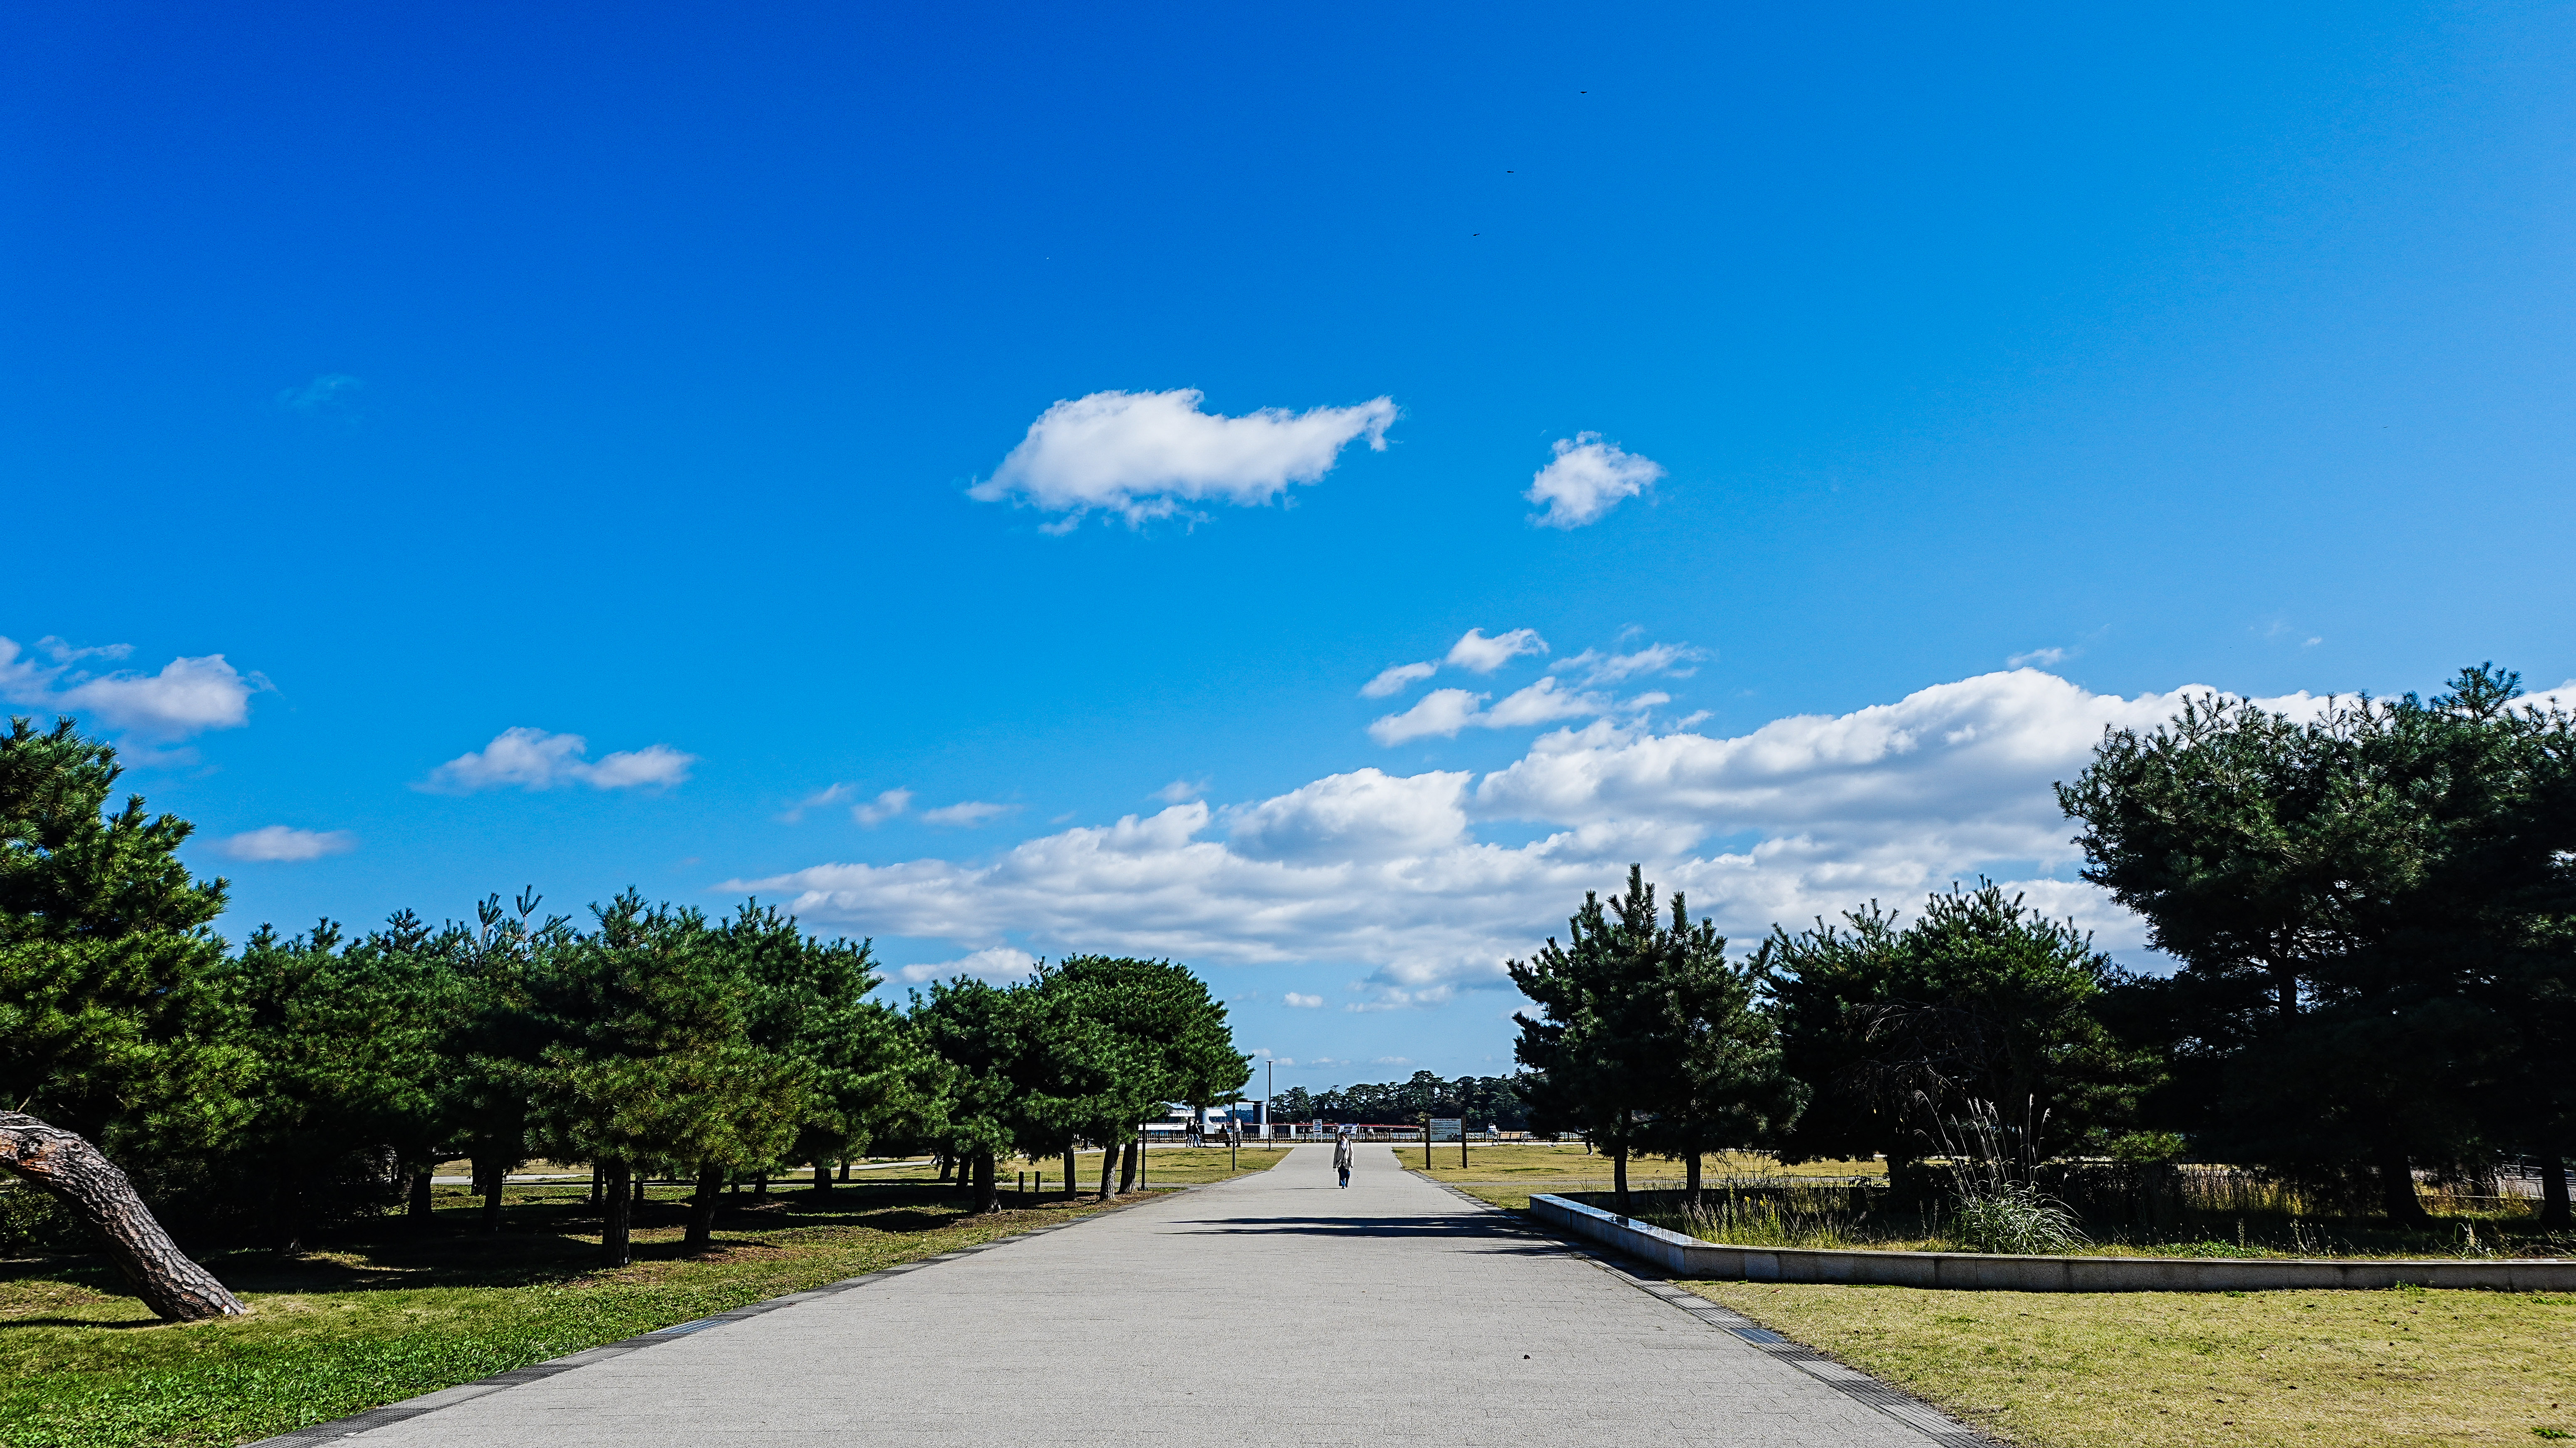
(2392, 1369)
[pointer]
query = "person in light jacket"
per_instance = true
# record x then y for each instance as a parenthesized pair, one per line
(1343, 1150)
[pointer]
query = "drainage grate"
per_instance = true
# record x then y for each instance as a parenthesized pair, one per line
(1762, 1335)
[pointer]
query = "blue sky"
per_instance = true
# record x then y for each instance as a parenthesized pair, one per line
(687, 380)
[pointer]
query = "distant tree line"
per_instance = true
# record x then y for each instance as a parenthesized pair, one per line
(266, 1092)
(2373, 912)
(1484, 1101)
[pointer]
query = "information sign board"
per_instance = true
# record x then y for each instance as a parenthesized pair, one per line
(1448, 1128)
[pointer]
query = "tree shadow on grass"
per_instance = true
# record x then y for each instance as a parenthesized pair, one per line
(1449, 1229)
(540, 1244)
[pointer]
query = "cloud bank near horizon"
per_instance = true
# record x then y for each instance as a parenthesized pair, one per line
(1806, 816)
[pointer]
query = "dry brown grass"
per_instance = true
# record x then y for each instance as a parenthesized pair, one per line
(2393, 1369)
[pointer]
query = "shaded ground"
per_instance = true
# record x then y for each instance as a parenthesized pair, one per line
(392, 1311)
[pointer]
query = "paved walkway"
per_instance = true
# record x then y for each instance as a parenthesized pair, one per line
(1275, 1308)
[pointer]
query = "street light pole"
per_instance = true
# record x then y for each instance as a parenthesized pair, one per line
(1269, 1088)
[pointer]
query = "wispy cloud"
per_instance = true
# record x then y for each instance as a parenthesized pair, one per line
(1478, 654)
(967, 814)
(188, 696)
(1586, 480)
(821, 799)
(284, 844)
(2048, 658)
(885, 806)
(1596, 667)
(1182, 790)
(1443, 712)
(1393, 680)
(532, 759)
(331, 392)
(1147, 455)
(1304, 1002)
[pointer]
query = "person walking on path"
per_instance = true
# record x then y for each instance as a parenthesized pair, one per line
(1342, 1152)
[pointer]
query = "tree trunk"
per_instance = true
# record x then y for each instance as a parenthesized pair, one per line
(1619, 1174)
(2553, 1192)
(637, 1190)
(945, 1163)
(490, 1177)
(822, 1177)
(419, 1209)
(1694, 1181)
(2397, 1193)
(71, 1171)
(617, 1225)
(598, 1184)
(1126, 1167)
(702, 1210)
(1072, 1183)
(845, 1168)
(988, 1189)
(760, 1185)
(1108, 1169)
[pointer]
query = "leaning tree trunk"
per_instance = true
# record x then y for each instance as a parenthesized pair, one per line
(1108, 1169)
(2553, 1192)
(702, 1210)
(73, 1173)
(1127, 1166)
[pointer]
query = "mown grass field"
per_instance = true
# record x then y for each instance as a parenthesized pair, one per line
(2393, 1369)
(391, 1312)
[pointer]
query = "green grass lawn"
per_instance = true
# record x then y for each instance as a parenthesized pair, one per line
(390, 1312)
(2393, 1369)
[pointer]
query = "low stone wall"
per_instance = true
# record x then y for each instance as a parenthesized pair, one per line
(1690, 1257)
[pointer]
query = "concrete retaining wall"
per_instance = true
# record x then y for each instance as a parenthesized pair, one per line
(1690, 1257)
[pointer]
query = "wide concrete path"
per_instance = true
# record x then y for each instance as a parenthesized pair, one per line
(1273, 1309)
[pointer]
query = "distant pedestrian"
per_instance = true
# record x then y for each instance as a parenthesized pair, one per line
(1342, 1152)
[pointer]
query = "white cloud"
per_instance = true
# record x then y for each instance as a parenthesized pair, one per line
(1393, 679)
(328, 392)
(1443, 712)
(285, 844)
(1597, 667)
(820, 799)
(1390, 1060)
(1145, 455)
(1182, 790)
(2044, 658)
(1588, 478)
(967, 814)
(1804, 816)
(1479, 654)
(1303, 1002)
(188, 696)
(533, 759)
(999, 963)
(884, 807)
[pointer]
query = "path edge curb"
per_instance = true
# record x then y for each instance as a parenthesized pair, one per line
(1978, 1271)
(406, 1409)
